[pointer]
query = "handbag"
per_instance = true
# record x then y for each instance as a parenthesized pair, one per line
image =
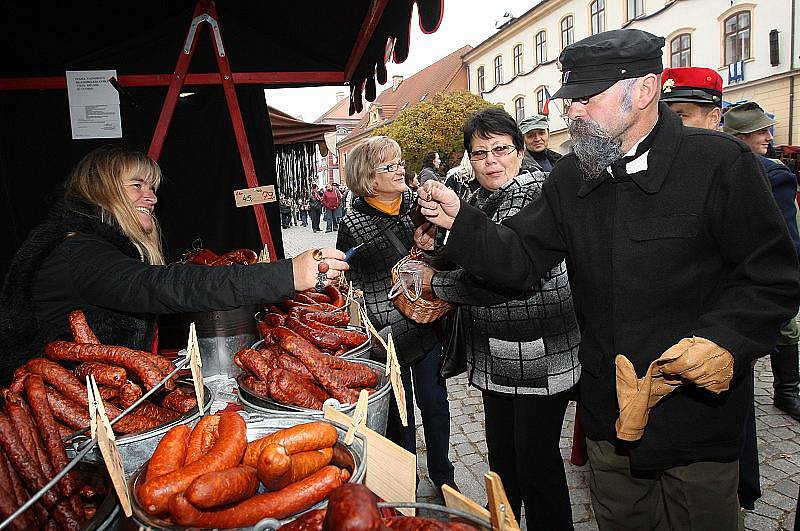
(453, 358)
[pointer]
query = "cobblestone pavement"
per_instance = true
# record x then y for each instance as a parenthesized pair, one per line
(778, 442)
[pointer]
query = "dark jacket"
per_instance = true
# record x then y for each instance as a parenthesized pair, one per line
(693, 246)
(784, 188)
(370, 271)
(75, 261)
(531, 165)
(427, 173)
(517, 347)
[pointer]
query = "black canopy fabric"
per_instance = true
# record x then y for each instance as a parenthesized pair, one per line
(200, 159)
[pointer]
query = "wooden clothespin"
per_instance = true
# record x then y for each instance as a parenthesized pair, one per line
(359, 418)
(393, 370)
(500, 510)
(108, 445)
(460, 502)
(263, 256)
(196, 365)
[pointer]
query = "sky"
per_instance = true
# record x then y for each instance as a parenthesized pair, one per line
(464, 22)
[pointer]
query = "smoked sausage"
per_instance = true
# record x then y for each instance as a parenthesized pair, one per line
(81, 331)
(353, 507)
(170, 453)
(324, 339)
(203, 437)
(134, 361)
(301, 438)
(107, 375)
(222, 487)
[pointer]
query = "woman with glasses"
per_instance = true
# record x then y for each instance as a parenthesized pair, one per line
(380, 220)
(522, 354)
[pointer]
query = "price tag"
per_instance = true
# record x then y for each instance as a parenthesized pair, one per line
(354, 309)
(255, 196)
(108, 447)
(374, 332)
(359, 417)
(397, 382)
(196, 364)
(391, 470)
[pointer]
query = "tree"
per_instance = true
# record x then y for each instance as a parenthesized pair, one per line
(434, 125)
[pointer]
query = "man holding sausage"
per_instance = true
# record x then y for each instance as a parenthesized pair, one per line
(682, 271)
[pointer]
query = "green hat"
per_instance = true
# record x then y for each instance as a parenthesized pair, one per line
(745, 118)
(537, 121)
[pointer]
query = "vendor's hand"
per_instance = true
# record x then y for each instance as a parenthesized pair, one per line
(438, 203)
(424, 236)
(427, 282)
(309, 271)
(700, 361)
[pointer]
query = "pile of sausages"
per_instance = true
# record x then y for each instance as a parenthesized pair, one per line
(208, 257)
(293, 371)
(209, 477)
(319, 322)
(65, 389)
(354, 507)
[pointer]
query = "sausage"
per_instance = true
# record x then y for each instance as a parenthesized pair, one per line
(302, 297)
(66, 411)
(23, 423)
(131, 360)
(14, 487)
(353, 507)
(343, 458)
(227, 452)
(273, 466)
(284, 388)
(256, 363)
(301, 438)
(8, 504)
(301, 465)
(43, 415)
(107, 375)
(416, 523)
(323, 339)
(308, 521)
(279, 504)
(337, 299)
(330, 318)
(203, 437)
(129, 393)
(239, 256)
(318, 297)
(284, 360)
(180, 401)
(133, 423)
(222, 487)
(276, 309)
(351, 338)
(256, 386)
(108, 393)
(274, 319)
(201, 256)
(170, 453)
(157, 413)
(33, 478)
(288, 305)
(17, 380)
(162, 364)
(81, 331)
(60, 379)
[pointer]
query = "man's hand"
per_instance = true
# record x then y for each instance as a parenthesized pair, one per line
(424, 236)
(637, 396)
(702, 362)
(427, 281)
(438, 203)
(308, 271)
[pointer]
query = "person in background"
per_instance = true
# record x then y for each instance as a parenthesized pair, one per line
(304, 208)
(331, 201)
(315, 207)
(412, 181)
(379, 219)
(99, 250)
(461, 179)
(694, 94)
(340, 209)
(286, 212)
(536, 131)
(430, 167)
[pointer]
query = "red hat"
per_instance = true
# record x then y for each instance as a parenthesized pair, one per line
(691, 85)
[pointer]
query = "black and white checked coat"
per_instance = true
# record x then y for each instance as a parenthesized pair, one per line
(518, 347)
(370, 271)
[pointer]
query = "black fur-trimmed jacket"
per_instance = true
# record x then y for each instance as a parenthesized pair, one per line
(74, 260)
(370, 271)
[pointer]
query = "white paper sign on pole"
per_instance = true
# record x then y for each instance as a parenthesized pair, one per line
(93, 104)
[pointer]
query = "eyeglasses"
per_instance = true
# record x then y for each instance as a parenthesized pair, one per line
(389, 168)
(583, 101)
(497, 151)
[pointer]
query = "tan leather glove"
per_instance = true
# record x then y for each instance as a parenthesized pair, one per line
(637, 396)
(700, 361)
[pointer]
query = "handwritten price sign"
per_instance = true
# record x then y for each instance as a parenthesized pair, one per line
(255, 196)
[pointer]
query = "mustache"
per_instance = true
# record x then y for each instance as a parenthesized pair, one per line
(594, 147)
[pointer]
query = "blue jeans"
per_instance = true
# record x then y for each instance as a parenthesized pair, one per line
(422, 380)
(330, 220)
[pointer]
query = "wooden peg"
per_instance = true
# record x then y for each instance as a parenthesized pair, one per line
(359, 418)
(455, 500)
(500, 510)
(397, 381)
(196, 366)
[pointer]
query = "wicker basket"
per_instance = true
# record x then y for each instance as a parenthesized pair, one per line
(421, 310)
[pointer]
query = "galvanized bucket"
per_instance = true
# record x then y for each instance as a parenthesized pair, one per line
(257, 427)
(220, 335)
(377, 413)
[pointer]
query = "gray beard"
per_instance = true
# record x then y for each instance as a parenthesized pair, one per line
(595, 149)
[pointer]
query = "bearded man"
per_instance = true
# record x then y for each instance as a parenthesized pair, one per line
(682, 272)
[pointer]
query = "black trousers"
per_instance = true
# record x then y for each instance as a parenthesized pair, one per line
(522, 434)
(315, 215)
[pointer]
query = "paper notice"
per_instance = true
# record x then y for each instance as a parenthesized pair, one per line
(93, 104)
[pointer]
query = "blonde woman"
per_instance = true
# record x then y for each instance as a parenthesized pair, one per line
(379, 219)
(99, 250)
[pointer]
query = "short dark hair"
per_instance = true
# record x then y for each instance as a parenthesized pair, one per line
(427, 160)
(492, 121)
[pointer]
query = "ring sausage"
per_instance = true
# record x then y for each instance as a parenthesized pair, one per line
(203, 437)
(301, 465)
(170, 453)
(301, 438)
(222, 487)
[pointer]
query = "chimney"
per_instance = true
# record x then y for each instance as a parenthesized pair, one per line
(396, 80)
(339, 96)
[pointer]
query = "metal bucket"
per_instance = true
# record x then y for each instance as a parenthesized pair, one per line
(377, 412)
(257, 427)
(220, 335)
(136, 448)
(108, 512)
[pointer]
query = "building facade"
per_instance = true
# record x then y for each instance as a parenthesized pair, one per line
(753, 45)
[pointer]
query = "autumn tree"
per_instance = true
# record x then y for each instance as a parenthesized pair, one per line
(434, 125)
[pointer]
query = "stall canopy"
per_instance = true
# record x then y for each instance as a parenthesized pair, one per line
(265, 44)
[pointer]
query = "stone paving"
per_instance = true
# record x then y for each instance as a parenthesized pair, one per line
(778, 441)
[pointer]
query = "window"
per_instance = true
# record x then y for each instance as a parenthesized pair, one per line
(567, 31)
(737, 37)
(540, 100)
(597, 12)
(517, 59)
(541, 47)
(681, 50)
(498, 69)
(519, 108)
(481, 80)
(635, 9)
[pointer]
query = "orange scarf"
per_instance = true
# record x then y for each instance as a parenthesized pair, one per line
(387, 207)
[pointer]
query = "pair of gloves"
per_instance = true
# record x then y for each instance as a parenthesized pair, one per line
(696, 360)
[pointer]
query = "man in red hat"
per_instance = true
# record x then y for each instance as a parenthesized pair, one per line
(695, 94)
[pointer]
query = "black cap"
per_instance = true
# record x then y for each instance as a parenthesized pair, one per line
(593, 64)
